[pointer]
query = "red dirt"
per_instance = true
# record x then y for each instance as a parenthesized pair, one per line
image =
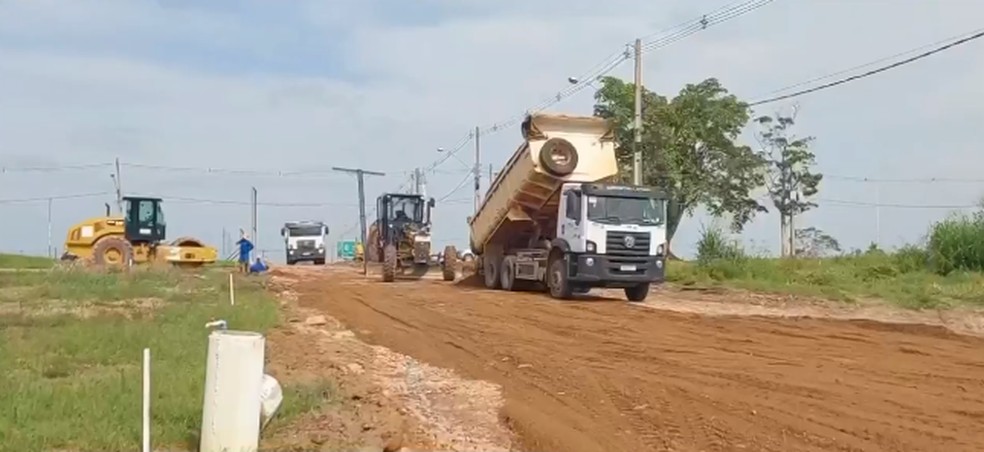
(604, 375)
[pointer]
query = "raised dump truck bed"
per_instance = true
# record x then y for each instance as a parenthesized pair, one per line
(549, 202)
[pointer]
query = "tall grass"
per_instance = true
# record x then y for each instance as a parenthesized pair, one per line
(908, 276)
(957, 243)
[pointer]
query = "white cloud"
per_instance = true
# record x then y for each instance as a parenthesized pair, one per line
(382, 85)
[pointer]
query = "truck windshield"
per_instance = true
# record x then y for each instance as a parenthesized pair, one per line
(304, 231)
(611, 209)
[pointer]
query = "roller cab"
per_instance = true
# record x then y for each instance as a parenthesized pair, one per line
(552, 217)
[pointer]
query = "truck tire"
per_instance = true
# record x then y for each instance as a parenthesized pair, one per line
(319, 262)
(637, 293)
(560, 288)
(491, 268)
(507, 273)
(112, 251)
(566, 161)
(450, 265)
(389, 263)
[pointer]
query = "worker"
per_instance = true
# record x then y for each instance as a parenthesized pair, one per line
(402, 216)
(245, 247)
(259, 266)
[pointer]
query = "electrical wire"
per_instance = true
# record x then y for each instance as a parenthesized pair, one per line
(917, 180)
(48, 169)
(55, 197)
(679, 32)
(456, 188)
(248, 203)
(964, 40)
(898, 206)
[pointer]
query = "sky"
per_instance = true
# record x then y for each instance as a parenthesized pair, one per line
(255, 90)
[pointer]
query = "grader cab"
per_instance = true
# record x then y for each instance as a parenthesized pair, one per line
(135, 238)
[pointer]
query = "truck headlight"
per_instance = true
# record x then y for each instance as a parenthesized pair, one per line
(590, 247)
(660, 249)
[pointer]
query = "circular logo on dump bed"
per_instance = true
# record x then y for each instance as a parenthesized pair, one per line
(629, 241)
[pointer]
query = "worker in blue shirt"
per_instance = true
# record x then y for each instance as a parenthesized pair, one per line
(258, 267)
(245, 247)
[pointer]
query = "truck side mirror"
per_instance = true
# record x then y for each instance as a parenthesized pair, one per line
(325, 231)
(283, 232)
(431, 203)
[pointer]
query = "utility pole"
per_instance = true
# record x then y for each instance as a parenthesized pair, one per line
(478, 170)
(51, 252)
(421, 183)
(253, 202)
(416, 181)
(360, 177)
(637, 128)
(119, 187)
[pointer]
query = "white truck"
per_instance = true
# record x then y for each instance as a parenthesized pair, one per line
(304, 241)
(550, 217)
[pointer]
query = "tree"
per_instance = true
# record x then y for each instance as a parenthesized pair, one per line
(790, 179)
(688, 147)
(813, 242)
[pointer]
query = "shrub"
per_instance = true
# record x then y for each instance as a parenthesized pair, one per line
(957, 243)
(715, 245)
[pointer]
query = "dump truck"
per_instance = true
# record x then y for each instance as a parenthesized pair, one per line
(304, 241)
(552, 218)
(136, 237)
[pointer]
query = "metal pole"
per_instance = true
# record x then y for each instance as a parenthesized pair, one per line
(119, 187)
(51, 253)
(256, 240)
(360, 177)
(478, 169)
(637, 128)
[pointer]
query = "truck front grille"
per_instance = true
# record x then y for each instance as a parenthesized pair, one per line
(306, 244)
(615, 244)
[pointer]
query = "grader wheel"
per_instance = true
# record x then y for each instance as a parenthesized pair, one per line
(389, 263)
(112, 252)
(372, 253)
(450, 263)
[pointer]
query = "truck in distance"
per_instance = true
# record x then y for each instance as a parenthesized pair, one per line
(304, 241)
(551, 216)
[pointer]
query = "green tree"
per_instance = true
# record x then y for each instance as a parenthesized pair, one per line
(689, 148)
(790, 178)
(813, 242)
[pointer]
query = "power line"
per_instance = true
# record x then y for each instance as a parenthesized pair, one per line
(898, 206)
(610, 63)
(55, 197)
(248, 203)
(896, 64)
(48, 169)
(916, 180)
(456, 188)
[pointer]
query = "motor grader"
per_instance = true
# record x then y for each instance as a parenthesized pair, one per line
(135, 238)
(400, 238)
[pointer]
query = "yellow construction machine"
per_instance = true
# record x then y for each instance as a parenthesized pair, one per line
(135, 238)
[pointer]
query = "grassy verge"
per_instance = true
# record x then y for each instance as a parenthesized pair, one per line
(840, 278)
(947, 271)
(70, 354)
(26, 262)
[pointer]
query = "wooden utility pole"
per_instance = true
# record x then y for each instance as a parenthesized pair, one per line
(637, 122)
(360, 177)
(478, 169)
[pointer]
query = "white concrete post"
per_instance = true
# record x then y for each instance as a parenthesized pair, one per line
(233, 382)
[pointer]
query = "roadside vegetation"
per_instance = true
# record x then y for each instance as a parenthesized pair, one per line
(71, 347)
(25, 262)
(946, 271)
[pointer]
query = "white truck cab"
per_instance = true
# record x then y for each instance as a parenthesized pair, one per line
(304, 241)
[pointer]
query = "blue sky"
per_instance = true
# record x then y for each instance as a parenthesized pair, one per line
(307, 85)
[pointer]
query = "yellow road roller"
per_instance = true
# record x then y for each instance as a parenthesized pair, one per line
(135, 238)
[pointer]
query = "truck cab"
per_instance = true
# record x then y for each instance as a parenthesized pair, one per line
(608, 236)
(304, 241)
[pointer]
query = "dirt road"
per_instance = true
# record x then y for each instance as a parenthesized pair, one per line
(605, 375)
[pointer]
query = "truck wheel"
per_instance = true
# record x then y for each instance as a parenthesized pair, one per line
(507, 274)
(389, 263)
(290, 262)
(491, 268)
(637, 293)
(319, 262)
(450, 265)
(557, 282)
